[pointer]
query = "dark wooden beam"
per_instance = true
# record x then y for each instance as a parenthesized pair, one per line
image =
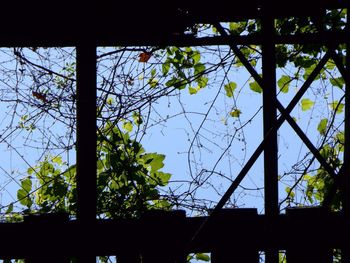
(86, 133)
(111, 22)
(86, 144)
(234, 230)
(269, 122)
(345, 183)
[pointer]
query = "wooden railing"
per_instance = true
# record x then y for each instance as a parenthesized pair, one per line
(233, 235)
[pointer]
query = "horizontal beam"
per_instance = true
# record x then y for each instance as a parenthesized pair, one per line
(133, 39)
(110, 22)
(173, 233)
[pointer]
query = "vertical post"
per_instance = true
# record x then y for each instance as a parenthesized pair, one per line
(269, 120)
(346, 164)
(86, 142)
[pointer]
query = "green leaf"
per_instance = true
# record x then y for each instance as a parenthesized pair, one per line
(59, 189)
(290, 192)
(46, 169)
(27, 185)
(322, 126)
(202, 81)
(340, 137)
(203, 257)
(193, 90)
(199, 68)
(164, 178)
(100, 165)
(230, 88)
(9, 209)
(157, 162)
(109, 101)
(70, 172)
(22, 196)
(30, 170)
(326, 151)
(153, 72)
(176, 83)
(306, 104)
(337, 82)
(137, 118)
(283, 83)
(165, 68)
(336, 106)
(309, 70)
(153, 82)
(154, 160)
(57, 159)
(196, 57)
(235, 113)
(330, 64)
(172, 82)
(236, 27)
(127, 126)
(304, 62)
(254, 86)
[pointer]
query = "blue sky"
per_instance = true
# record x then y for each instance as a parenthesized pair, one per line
(174, 136)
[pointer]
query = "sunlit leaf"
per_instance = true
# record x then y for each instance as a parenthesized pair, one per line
(230, 88)
(9, 208)
(235, 113)
(157, 162)
(306, 104)
(336, 106)
(153, 72)
(337, 82)
(202, 81)
(340, 137)
(236, 27)
(322, 126)
(254, 86)
(22, 196)
(203, 257)
(283, 83)
(290, 192)
(196, 57)
(109, 101)
(26, 184)
(199, 68)
(30, 170)
(172, 82)
(193, 90)
(57, 159)
(153, 82)
(164, 178)
(127, 126)
(137, 118)
(165, 68)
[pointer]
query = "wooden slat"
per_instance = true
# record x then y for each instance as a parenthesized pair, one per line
(110, 22)
(111, 237)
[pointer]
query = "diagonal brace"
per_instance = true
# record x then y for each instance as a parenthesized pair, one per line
(285, 116)
(282, 110)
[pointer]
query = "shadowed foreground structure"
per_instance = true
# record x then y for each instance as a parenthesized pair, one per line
(108, 23)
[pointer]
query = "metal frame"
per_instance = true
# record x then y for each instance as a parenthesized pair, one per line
(102, 24)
